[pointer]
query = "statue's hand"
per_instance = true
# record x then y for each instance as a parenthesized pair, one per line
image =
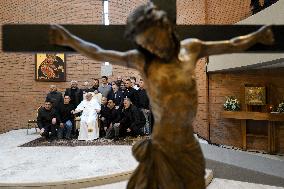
(266, 35)
(58, 35)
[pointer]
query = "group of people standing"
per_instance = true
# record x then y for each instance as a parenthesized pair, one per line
(112, 110)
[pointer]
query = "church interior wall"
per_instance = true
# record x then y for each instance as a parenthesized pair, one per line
(20, 94)
(228, 131)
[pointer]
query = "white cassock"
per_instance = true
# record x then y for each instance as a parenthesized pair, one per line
(89, 129)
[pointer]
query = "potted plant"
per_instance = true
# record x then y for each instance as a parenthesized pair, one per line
(232, 104)
(280, 107)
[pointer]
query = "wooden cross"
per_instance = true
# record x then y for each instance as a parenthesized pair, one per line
(34, 38)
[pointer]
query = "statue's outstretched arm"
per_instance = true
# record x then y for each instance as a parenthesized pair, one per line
(60, 36)
(237, 44)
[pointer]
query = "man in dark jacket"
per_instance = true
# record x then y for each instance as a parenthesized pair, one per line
(96, 84)
(47, 120)
(144, 105)
(132, 119)
(103, 118)
(122, 89)
(130, 92)
(66, 119)
(74, 93)
(113, 120)
(54, 97)
(143, 99)
(116, 95)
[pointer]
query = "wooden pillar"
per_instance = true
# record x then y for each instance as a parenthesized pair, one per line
(271, 137)
(244, 133)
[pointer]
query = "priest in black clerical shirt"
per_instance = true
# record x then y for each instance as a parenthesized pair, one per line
(55, 97)
(74, 93)
(47, 120)
(113, 120)
(66, 119)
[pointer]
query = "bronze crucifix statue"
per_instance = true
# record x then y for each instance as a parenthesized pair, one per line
(172, 158)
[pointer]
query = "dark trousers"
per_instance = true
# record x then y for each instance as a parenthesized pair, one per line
(102, 125)
(50, 128)
(66, 131)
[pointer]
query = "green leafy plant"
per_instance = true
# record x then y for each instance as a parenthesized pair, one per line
(280, 107)
(232, 104)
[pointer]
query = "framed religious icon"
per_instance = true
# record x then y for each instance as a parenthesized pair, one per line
(255, 95)
(50, 67)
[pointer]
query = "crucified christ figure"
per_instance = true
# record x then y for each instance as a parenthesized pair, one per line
(172, 158)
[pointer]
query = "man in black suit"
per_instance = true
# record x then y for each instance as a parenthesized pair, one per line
(66, 119)
(55, 97)
(74, 93)
(132, 119)
(47, 120)
(113, 120)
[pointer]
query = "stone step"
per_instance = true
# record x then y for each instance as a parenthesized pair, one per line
(117, 181)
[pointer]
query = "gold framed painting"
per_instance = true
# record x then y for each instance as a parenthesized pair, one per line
(255, 95)
(50, 67)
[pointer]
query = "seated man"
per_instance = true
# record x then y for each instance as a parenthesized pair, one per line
(88, 124)
(132, 120)
(66, 119)
(96, 95)
(46, 120)
(113, 120)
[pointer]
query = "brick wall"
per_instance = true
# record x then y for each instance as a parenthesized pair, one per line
(118, 12)
(20, 94)
(208, 12)
(228, 131)
(191, 12)
(27, 94)
(227, 11)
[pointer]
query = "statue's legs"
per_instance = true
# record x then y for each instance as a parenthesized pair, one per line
(167, 166)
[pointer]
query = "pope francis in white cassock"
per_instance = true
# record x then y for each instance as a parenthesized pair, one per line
(90, 108)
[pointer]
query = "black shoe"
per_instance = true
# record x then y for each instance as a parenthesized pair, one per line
(51, 139)
(44, 134)
(116, 139)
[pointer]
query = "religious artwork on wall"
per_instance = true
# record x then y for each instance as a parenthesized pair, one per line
(50, 67)
(255, 95)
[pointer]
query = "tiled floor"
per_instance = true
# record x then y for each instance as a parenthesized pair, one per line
(215, 184)
(231, 184)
